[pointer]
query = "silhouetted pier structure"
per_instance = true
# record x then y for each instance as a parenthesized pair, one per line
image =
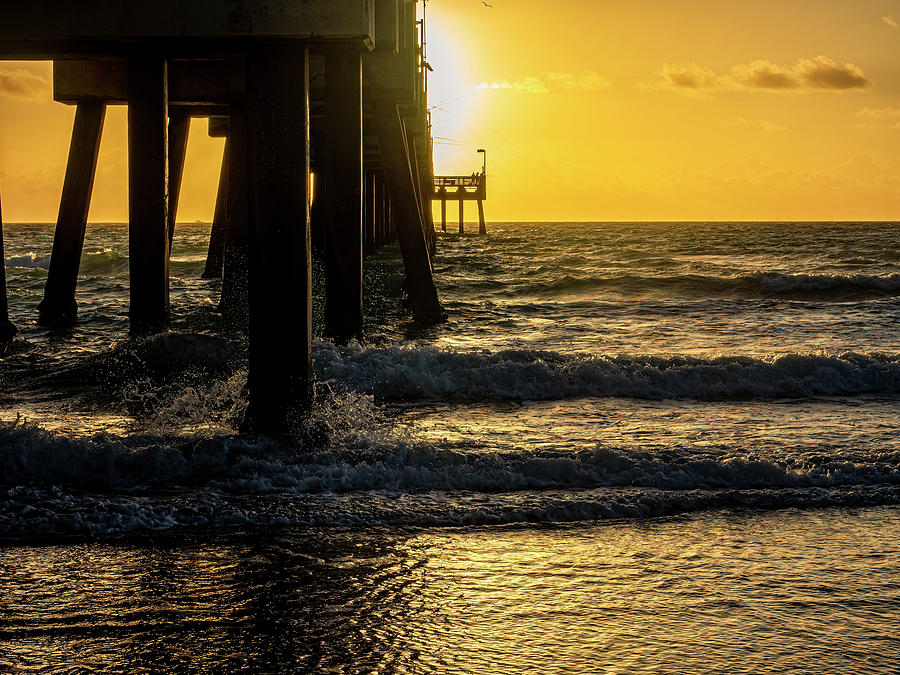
(461, 189)
(323, 95)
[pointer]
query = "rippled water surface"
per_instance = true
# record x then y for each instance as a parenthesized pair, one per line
(633, 448)
(801, 592)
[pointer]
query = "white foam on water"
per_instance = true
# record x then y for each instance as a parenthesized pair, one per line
(32, 260)
(431, 373)
(35, 513)
(779, 283)
(54, 485)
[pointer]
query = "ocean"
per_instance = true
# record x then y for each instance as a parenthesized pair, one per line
(633, 448)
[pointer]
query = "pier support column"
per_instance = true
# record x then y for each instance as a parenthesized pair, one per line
(443, 215)
(462, 215)
(386, 225)
(148, 246)
(58, 306)
(234, 302)
(215, 256)
(378, 207)
(420, 287)
(344, 176)
(392, 221)
(416, 166)
(7, 329)
(280, 378)
(319, 209)
(179, 127)
(481, 226)
(369, 212)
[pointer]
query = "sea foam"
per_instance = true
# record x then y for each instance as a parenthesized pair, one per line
(429, 373)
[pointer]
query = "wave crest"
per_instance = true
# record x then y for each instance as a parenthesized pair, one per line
(825, 287)
(57, 485)
(92, 262)
(416, 373)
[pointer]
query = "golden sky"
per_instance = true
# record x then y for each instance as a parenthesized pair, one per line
(592, 110)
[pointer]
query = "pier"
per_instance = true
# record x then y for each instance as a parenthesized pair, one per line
(461, 189)
(328, 152)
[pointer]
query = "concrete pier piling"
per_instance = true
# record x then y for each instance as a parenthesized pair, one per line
(482, 228)
(7, 329)
(234, 303)
(379, 206)
(369, 212)
(179, 126)
(59, 308)
(319, 208)
(344, 178)
(148, 240)
(420, 287)
(280, 379)
(215, 256)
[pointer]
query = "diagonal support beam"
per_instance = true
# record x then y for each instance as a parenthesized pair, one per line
(215, 255)
(420, 287)
(7, 329)
(179, 127)
(58, 308)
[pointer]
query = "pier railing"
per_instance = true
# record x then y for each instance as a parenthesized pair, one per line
(447, 187)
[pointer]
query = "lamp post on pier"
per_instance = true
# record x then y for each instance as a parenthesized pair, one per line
(482, 192)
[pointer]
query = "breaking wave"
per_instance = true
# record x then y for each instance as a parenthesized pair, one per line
(54, 485)
(92, 262)
(826, 287)
(32, 261)
(183, 364)
(408, 373)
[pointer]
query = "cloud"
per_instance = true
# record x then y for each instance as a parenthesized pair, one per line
(819, 73)
(764, 75)
(761, 123)
(551, 83)
(21, 83)
(880, 117)
(691, 76)
(529, 85)
(880, 113)
(890, 21)
(823, 73)
(582, 82)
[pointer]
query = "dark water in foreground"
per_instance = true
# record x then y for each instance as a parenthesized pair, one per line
(634, 448)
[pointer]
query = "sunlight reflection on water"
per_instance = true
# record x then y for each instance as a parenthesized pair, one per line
(789, 591)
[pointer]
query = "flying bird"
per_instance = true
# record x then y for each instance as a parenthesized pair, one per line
(485, 4)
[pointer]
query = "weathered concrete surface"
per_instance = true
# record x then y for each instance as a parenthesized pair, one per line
(191, 82)
(148, 237)
(48, 28)
(344, 177)
(280, 377)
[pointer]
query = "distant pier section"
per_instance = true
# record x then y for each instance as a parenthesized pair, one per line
(461, 189)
